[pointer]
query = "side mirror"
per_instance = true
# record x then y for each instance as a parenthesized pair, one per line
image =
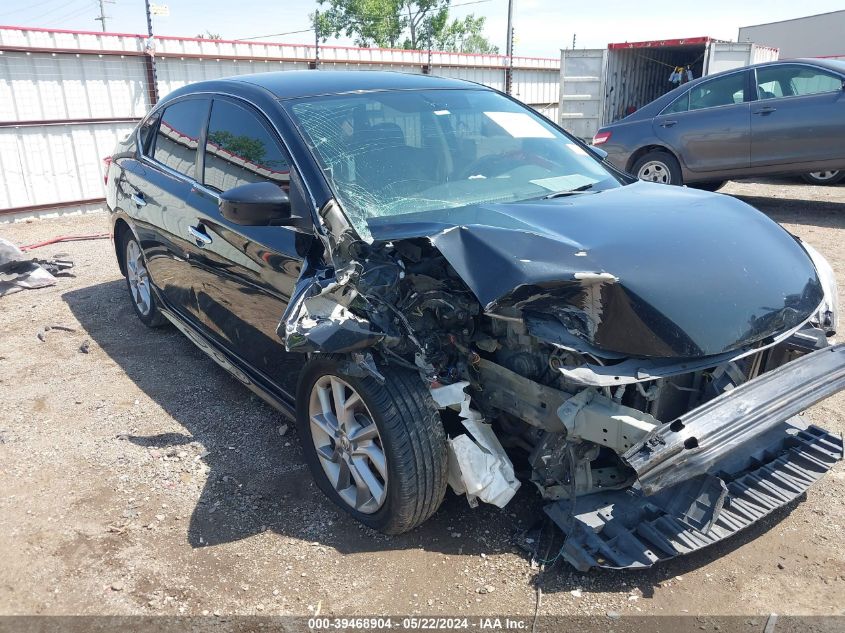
(256, 204)
(598, 151)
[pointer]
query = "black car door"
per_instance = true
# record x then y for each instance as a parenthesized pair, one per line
(799, 117)
(246, 274)
(158, 193)
(709, 126)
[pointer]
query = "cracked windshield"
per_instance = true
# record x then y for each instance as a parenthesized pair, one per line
(395, 153)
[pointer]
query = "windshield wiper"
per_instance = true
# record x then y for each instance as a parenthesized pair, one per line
(560, 194)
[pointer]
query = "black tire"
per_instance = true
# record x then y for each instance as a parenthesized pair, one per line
(411, 435)
(151, 317)
(708, 186)
(830, 177)
(665, 168)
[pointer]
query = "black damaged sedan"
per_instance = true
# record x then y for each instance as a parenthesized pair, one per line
(437, 283)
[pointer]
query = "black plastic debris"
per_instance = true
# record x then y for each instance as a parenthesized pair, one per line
(626, 529)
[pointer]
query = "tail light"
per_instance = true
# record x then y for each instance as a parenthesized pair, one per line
(601, 138)
(106, 164)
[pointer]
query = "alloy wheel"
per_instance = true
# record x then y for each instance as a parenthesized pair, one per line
(348, 444)
(825, 175)
(139, 279)
(655, 171)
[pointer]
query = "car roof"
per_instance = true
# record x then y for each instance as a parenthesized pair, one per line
(291, 84)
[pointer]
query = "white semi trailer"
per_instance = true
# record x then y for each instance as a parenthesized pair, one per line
(602, 85)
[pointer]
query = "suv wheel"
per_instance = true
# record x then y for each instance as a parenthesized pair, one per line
(376, 450)
(830, 177)
(138, 282)
(659, 167)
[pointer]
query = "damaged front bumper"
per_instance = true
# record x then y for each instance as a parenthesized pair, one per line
(694, 443)
(712, 472)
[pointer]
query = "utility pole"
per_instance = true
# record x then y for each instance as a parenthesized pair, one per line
(150, 60)
(573, 41)
(509, 50)
(102, 18)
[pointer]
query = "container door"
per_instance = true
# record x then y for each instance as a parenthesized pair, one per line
(582, 91)
(723, 56)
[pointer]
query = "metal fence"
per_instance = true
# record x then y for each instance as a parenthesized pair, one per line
(66, 97)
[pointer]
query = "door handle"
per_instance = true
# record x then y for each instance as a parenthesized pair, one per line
(199, 235)
(138, 199)
(668, 123)
(766, 110)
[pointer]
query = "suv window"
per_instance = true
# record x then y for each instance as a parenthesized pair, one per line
(239, 149)
(178, 135)
(793, 80)
(726, 90)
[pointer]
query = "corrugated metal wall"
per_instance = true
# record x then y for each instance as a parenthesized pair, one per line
(67, 97)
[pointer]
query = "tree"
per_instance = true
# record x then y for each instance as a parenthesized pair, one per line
(245, 147)
(209, 36)
(464, 36)
(412, 24)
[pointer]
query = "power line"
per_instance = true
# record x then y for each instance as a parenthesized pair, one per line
(49, 12)
(258, 37)
(75, 13)
(27, 8)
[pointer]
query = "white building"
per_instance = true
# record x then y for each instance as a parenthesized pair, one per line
(820, 35)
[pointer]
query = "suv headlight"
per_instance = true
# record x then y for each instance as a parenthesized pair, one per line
(828, 313)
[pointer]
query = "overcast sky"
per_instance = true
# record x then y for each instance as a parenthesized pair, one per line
(542, 26)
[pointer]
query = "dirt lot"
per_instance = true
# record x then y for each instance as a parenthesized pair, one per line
(139, 478)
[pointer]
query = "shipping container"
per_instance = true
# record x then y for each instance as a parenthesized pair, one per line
(602, 85)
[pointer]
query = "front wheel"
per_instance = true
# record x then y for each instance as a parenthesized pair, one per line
(830, 177)
(376, 450)
(658, 166)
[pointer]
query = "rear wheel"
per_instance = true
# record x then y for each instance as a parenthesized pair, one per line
(138, 282)
(376, 450)
(830, 177)
(658, 166)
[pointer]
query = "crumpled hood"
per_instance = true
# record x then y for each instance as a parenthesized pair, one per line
(644, 270)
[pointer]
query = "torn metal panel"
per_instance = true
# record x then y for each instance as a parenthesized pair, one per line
(696, 441)
(624, 529)
(323, 325)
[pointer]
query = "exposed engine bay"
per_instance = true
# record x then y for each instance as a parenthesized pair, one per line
(640, 456)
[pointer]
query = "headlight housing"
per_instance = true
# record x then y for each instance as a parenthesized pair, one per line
(828, 314)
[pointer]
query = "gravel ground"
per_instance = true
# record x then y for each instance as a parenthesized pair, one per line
(139, 478)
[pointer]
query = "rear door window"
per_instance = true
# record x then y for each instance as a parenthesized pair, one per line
(679, 105)
(728, 90)
(178, 135)
(794, 80)
(241, 149)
